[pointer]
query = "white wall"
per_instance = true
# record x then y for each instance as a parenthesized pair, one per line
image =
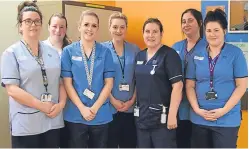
(9, 35)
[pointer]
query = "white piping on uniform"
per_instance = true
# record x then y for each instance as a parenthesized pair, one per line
(175, 77)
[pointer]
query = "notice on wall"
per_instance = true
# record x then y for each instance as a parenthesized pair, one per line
(243, 46)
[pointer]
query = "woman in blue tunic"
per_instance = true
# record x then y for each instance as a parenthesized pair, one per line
(216, 81)
(122, 130)
(192, 27)
(87, 71)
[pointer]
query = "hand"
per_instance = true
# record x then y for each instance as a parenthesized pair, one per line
(94, 110)
(126, 106)
(172, 122)
(216, 113)
(87, 113)
(55, 110)
(117, 104)
(46, 107)
(204, 113)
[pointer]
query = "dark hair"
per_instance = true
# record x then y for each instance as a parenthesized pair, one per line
(217, 15)
(24, 7)
(153, 20)
(66, 40)
(198, 17)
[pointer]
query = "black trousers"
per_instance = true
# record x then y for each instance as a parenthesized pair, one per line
(83, 136)
(64, 138)
(183, 134)
(122, 131)
(49, 139)
(156, 138)
(214, 137)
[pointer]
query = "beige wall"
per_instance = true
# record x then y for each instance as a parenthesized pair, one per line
(9, 34)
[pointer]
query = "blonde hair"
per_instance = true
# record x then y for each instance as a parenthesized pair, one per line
(87, 13)
(118, 15)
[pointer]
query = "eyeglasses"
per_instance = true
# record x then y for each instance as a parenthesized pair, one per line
(29, 22)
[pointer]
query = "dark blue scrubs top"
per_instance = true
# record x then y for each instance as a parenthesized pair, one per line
(154, 90)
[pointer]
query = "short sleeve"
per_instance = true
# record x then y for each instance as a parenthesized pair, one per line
(137, 49)
(173, 66)
(175, 47)
(66, 64)
(109, 71)
(240, 65)
(191, 70)
(9, 68)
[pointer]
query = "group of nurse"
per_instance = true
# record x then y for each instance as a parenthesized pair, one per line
(111, 94)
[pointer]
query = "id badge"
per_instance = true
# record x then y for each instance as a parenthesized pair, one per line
(88, 93)
(136, 111)
(46, 97)
(124, 87)
(211, 95)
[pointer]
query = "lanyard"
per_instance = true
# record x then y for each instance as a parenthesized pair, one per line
(89, 75)
(212, 64)
(186, 52)
(40, 62)
(121, 66)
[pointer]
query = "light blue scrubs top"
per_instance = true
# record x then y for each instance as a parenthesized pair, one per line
(129, 54)
(72, 66)
(180, 48)
(230, 65)
(19, 67)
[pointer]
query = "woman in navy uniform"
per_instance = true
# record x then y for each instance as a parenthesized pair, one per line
(158, 74)
(192, 27)
(216, 81)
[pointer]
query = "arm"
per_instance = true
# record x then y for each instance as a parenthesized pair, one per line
(67, 75)
(11, 80)
(176, 98)
(27, 99)
(130, 102)
(241, 86)
(105, 93)
(240, 74)
(116, 103)
(73, 96)
(57, 108)
(191, 94)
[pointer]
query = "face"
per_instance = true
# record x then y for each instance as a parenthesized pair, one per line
(57, 28)
(118, 29)
(89, 27)
(152, 35)
(214, 33)
(190, 26)
(31, 25)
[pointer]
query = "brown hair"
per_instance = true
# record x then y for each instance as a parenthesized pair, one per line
(153, 20)
(89, 13)
(24, 7)
(66, 40)
(118, 15)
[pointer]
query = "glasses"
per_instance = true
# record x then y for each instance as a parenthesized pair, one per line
(29, 22)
